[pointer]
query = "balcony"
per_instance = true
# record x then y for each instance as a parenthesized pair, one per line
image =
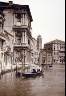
(62, 50)
(22, 45)
(62, 54)
(19, 26)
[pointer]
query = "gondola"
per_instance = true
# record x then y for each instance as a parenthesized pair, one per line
(30, 75)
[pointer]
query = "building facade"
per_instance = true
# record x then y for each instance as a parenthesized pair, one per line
(52, 53)
(45, 57)
(57, 49)
(34, 52)
(15, 25)
(5, 42)
(39, 43)
(2, 40)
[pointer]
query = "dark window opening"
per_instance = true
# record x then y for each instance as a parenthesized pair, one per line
(28, 41)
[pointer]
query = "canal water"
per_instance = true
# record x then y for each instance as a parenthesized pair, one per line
(52, 83)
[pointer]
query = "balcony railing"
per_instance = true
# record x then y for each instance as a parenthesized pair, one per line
(22, 45)
(20, 26)
(62, 54)
(62, 50)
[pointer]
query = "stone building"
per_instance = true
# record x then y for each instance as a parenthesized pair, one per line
(34, 52)
(15, 24)
(52, 53)
(2, 39)
(5, 42)
(39, 43)
(57, 49)
(45, 57)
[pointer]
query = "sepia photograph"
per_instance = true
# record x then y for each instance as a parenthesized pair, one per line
(32, 48)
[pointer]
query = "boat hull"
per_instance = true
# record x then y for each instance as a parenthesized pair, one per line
(39, 73)
(28, 75)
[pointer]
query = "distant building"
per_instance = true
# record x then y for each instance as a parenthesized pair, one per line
(34, 52)
(57, 49)
(45, 57)
(39, 43)
(42, 57)
(53, 53)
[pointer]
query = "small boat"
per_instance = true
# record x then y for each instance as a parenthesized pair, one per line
(32, 75)
(28, 75)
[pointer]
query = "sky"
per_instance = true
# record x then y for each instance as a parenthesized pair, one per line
(48, 18)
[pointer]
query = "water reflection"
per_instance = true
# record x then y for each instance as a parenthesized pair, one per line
(52, 83)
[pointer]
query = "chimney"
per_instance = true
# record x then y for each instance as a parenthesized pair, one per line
(10, 2)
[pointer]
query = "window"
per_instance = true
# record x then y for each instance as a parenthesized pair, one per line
(54, 60)
(48, 48)
(28, 41)
(1, 55)
(54, 48)
(32, 61)
(18, 40)
(60, 60)
(32, 54)
(18, 17)
(29, 24)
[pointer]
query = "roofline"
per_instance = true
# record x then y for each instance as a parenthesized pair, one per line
(6, 5)
(52, 42)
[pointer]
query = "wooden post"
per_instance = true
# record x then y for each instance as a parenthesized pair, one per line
(22, 68)
(21, 56)
(16, 65)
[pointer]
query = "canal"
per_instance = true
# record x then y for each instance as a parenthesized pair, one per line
(52, 83)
